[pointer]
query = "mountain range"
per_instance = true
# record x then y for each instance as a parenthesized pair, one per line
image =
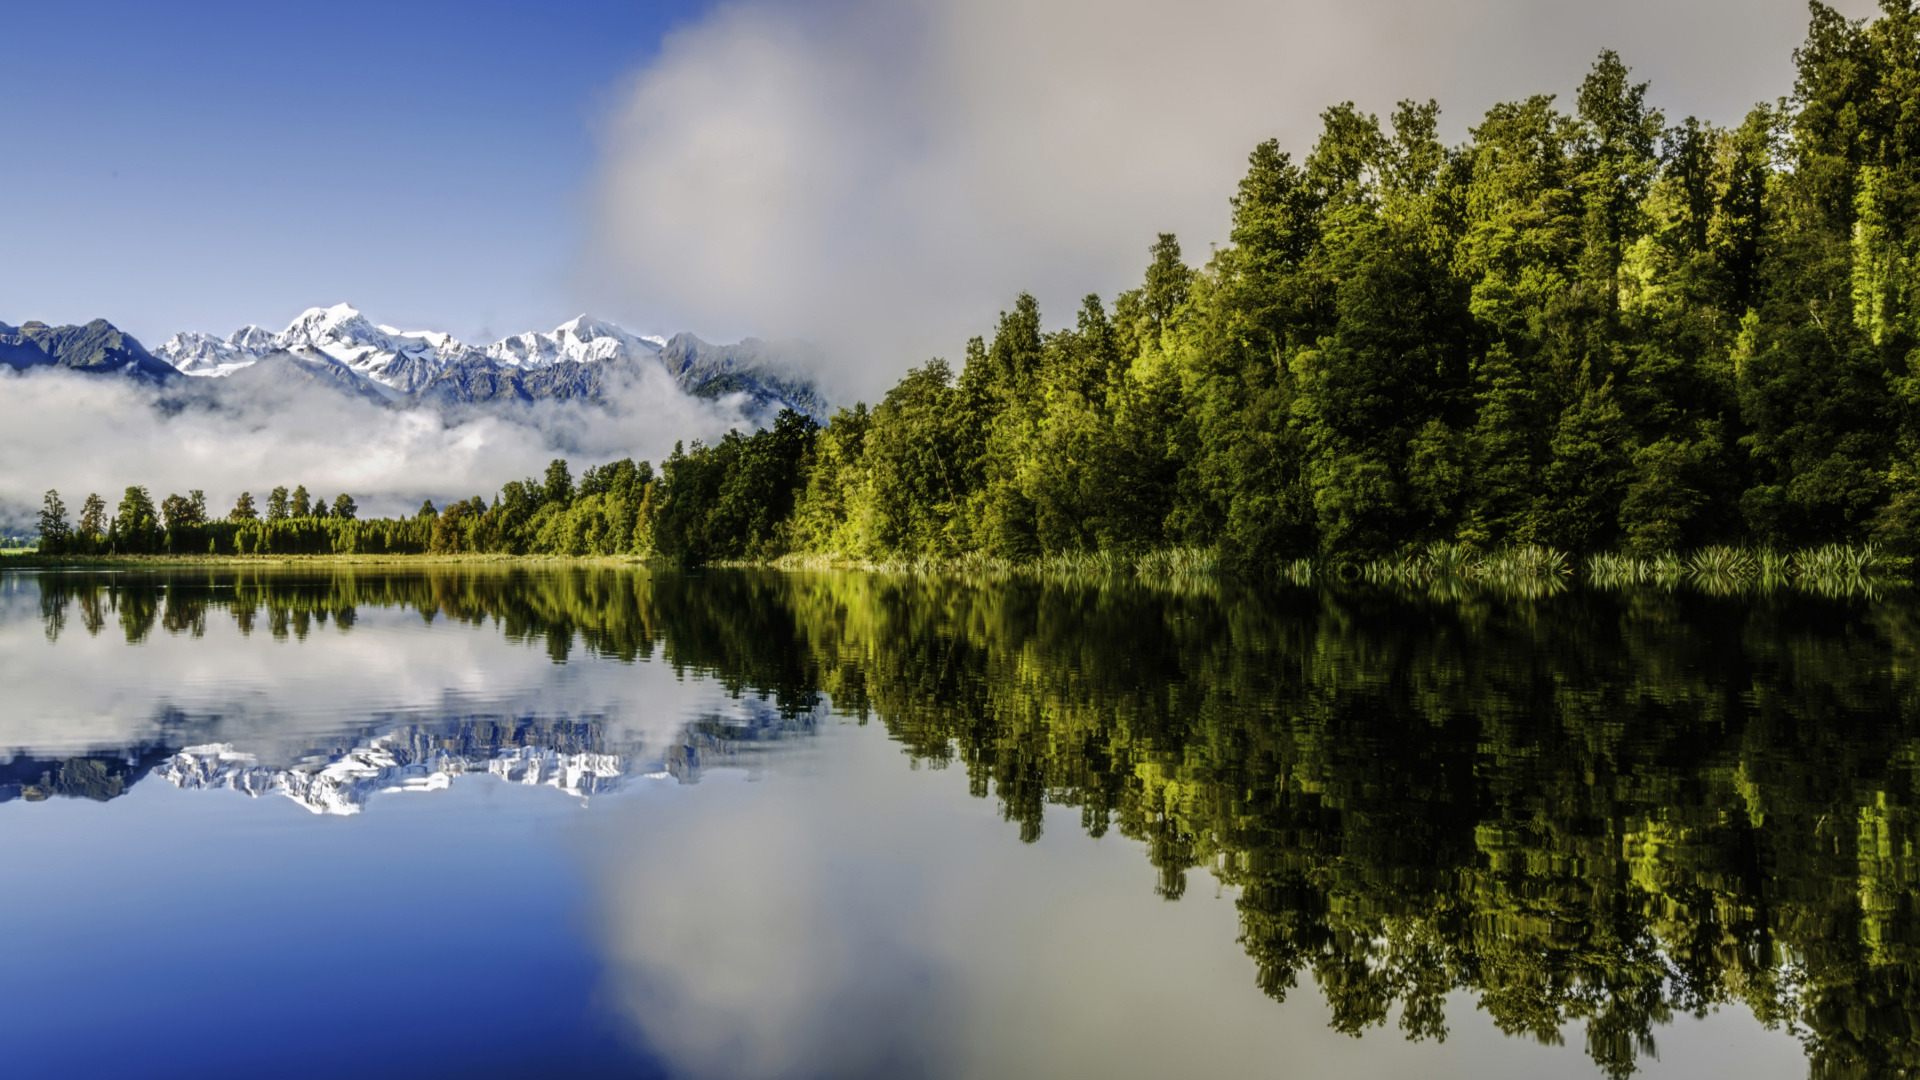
(338, 347)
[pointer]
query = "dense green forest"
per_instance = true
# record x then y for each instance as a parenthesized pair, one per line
(1592, 814)
(1585, 328)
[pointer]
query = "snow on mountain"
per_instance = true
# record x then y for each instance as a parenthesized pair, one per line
(575, 360)
(403, 360)
(581, 340)
(204, 354)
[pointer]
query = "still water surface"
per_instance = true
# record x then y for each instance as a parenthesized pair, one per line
(486, 822)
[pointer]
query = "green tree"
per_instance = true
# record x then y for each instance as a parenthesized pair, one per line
(93, 519)
(180, 512)
(54, 531)
(558, 487)
(138, 527)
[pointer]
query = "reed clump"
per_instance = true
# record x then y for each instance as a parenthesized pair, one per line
(1178, 566)
(1829, 570)
(1530, 570)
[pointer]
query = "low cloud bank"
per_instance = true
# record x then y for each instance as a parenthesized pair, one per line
(87, 433)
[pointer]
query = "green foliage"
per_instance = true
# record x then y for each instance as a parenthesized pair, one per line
(1589, 331)
(54, 530)
(732, 500)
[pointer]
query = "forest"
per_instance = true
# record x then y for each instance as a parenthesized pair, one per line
(1586, 328)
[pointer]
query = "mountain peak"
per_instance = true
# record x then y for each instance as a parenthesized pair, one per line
(317, 321)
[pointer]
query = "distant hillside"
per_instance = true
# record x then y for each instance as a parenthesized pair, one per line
(98, 347)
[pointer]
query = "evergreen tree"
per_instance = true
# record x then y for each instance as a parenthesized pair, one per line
(243, 510)
(277, 504)
(559, 483)
(93, 519)
(54, 531)
(138, 527)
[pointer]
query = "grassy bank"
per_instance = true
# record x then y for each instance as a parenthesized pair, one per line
(1530, 570)
(50, 562)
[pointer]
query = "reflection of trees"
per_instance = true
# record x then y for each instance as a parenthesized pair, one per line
(1599, 808)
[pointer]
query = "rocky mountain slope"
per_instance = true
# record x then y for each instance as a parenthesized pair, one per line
(98, 347)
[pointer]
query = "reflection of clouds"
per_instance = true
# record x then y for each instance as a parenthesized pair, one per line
(89, 692)
(851, 917)
(734, 971)
(868, 920)
(753, 936)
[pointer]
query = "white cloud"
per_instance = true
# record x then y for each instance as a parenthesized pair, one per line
(87, 433)
(884, 176)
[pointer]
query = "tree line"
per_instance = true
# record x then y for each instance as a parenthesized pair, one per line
(607, 513)
(1583, 328)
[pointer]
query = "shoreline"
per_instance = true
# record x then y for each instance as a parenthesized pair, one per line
(82, 562)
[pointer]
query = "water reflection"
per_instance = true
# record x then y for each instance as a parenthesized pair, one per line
(1592, 810)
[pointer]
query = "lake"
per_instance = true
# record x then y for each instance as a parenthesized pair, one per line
(524, 821)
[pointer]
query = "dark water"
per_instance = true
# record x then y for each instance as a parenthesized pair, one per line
(472, 822)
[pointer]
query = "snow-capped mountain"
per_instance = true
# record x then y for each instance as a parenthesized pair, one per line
(402, 360)
(579, 341)
(204, 354)
(339, 349)
(576, 360)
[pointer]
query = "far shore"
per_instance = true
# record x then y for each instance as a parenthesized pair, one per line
(36, 561)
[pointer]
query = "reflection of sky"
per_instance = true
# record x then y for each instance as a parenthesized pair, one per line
(842, 914)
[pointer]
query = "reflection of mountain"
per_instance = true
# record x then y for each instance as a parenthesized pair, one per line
(575, 756)
(1598, 810)
(99, 777)
(407, 760)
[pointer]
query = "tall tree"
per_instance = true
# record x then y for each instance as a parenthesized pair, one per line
(54, 531)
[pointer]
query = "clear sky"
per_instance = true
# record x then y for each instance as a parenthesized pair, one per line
(201, 165)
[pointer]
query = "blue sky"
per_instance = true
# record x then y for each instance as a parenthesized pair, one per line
(880, 176)
(200, 165)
